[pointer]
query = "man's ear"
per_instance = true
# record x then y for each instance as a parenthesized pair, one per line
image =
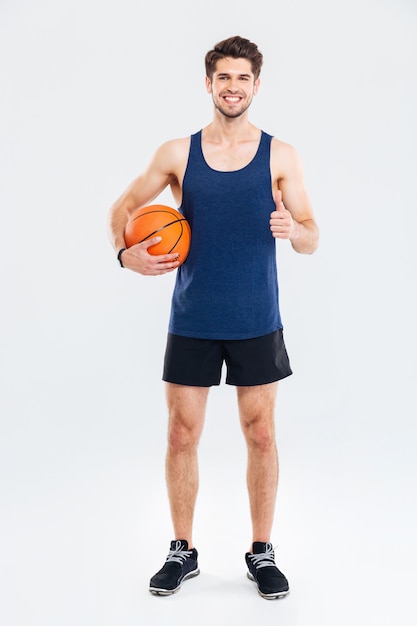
(208, 84)
(256, 86)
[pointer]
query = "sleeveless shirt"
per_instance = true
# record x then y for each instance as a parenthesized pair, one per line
(227, 288)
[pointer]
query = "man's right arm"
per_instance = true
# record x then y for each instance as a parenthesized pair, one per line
(143, 190)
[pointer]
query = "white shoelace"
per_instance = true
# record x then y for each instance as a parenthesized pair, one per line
(264, 559)
(178, 555)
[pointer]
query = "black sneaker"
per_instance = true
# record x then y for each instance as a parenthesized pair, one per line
(271, 582)
(181, 563)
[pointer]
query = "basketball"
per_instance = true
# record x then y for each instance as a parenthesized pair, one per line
(158, 220)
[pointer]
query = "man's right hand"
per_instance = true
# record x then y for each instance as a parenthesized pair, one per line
(138, 259)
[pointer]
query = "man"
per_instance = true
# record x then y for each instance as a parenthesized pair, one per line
(240, 189)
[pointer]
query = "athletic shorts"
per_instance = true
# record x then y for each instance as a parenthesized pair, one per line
(199, 362)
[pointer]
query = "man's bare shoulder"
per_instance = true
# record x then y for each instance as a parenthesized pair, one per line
(171, 156)
(282, 148)
(175, 148)
(284, 157)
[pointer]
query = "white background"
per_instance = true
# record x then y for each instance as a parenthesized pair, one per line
(88, 91)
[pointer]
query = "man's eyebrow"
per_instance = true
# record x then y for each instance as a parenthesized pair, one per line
(243, 74)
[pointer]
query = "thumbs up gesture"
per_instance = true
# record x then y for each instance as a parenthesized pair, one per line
(281, 222)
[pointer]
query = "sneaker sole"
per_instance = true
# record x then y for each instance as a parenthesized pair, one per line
(169, 592)
(269, 596)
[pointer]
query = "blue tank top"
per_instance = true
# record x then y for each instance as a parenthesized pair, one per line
(227, 288)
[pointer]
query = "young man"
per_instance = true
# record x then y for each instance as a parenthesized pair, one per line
(240, 189)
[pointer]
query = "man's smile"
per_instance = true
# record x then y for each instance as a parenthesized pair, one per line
(232, 99)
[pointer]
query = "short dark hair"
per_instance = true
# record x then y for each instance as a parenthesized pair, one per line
(237, 48)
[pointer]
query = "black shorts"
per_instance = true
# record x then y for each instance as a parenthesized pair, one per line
(199, 362)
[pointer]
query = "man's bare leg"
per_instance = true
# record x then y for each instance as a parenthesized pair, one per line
(256, 408)
(186, 408)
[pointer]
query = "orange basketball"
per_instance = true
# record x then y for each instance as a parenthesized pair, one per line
(163, 221)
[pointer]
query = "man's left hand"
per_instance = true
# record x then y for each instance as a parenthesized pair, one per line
(281, 222)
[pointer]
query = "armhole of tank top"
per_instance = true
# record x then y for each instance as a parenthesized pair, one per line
(270, 169)
(193, 138)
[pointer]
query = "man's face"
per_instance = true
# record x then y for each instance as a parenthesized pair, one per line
(233, 86)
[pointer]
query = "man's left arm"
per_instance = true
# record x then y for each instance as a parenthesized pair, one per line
(293, 218)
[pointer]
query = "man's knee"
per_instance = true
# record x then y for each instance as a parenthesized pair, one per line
(186, 406)
(259, 433)
(183, 435)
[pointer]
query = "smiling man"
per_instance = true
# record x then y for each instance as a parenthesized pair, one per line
(240, 189)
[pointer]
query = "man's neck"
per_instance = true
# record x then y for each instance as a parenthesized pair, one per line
(230, 131)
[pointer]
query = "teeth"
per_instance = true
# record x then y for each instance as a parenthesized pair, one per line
(231, 99)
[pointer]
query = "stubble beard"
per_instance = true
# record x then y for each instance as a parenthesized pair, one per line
(229, 114)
